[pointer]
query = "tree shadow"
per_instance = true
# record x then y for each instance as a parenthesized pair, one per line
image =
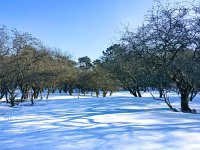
(105, 123)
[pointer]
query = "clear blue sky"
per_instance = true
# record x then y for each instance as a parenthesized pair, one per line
(79, 27)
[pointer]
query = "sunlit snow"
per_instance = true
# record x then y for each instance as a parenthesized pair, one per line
(118, 122)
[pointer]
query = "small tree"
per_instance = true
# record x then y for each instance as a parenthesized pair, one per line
(126, 67)
(102, 79)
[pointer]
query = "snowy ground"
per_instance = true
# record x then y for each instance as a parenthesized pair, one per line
(120, 122)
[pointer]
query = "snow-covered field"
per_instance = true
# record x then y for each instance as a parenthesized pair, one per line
(119, 122)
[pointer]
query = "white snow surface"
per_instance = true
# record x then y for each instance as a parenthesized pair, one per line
(118, 122)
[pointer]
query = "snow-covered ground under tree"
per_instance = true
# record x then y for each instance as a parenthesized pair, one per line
(119, 122)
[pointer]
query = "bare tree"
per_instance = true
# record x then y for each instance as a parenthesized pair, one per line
(169, 45)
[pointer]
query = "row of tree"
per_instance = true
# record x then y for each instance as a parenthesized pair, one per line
(26, 65)
(163, 53)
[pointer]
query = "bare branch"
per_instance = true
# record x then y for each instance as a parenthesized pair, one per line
(166, 100)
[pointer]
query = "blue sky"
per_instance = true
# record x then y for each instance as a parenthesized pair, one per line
(78, 27)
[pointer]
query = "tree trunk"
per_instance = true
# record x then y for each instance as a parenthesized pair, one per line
(192, 95)
(104, 93)
(161, 93)
(4, 92)
(2, 95)
(134, 93)
(36, 93)
(12, 101)
(185, 101)
(12, 97)
(70, 91)
(6, 97)
(32, 100)
(132, 90)
(22, 97)
(41, 97)
(138, 92)
(48, 92)
(24, 91)
(97, 93)
(185, 89)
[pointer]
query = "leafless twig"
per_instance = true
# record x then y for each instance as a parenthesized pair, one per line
(166, 100)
